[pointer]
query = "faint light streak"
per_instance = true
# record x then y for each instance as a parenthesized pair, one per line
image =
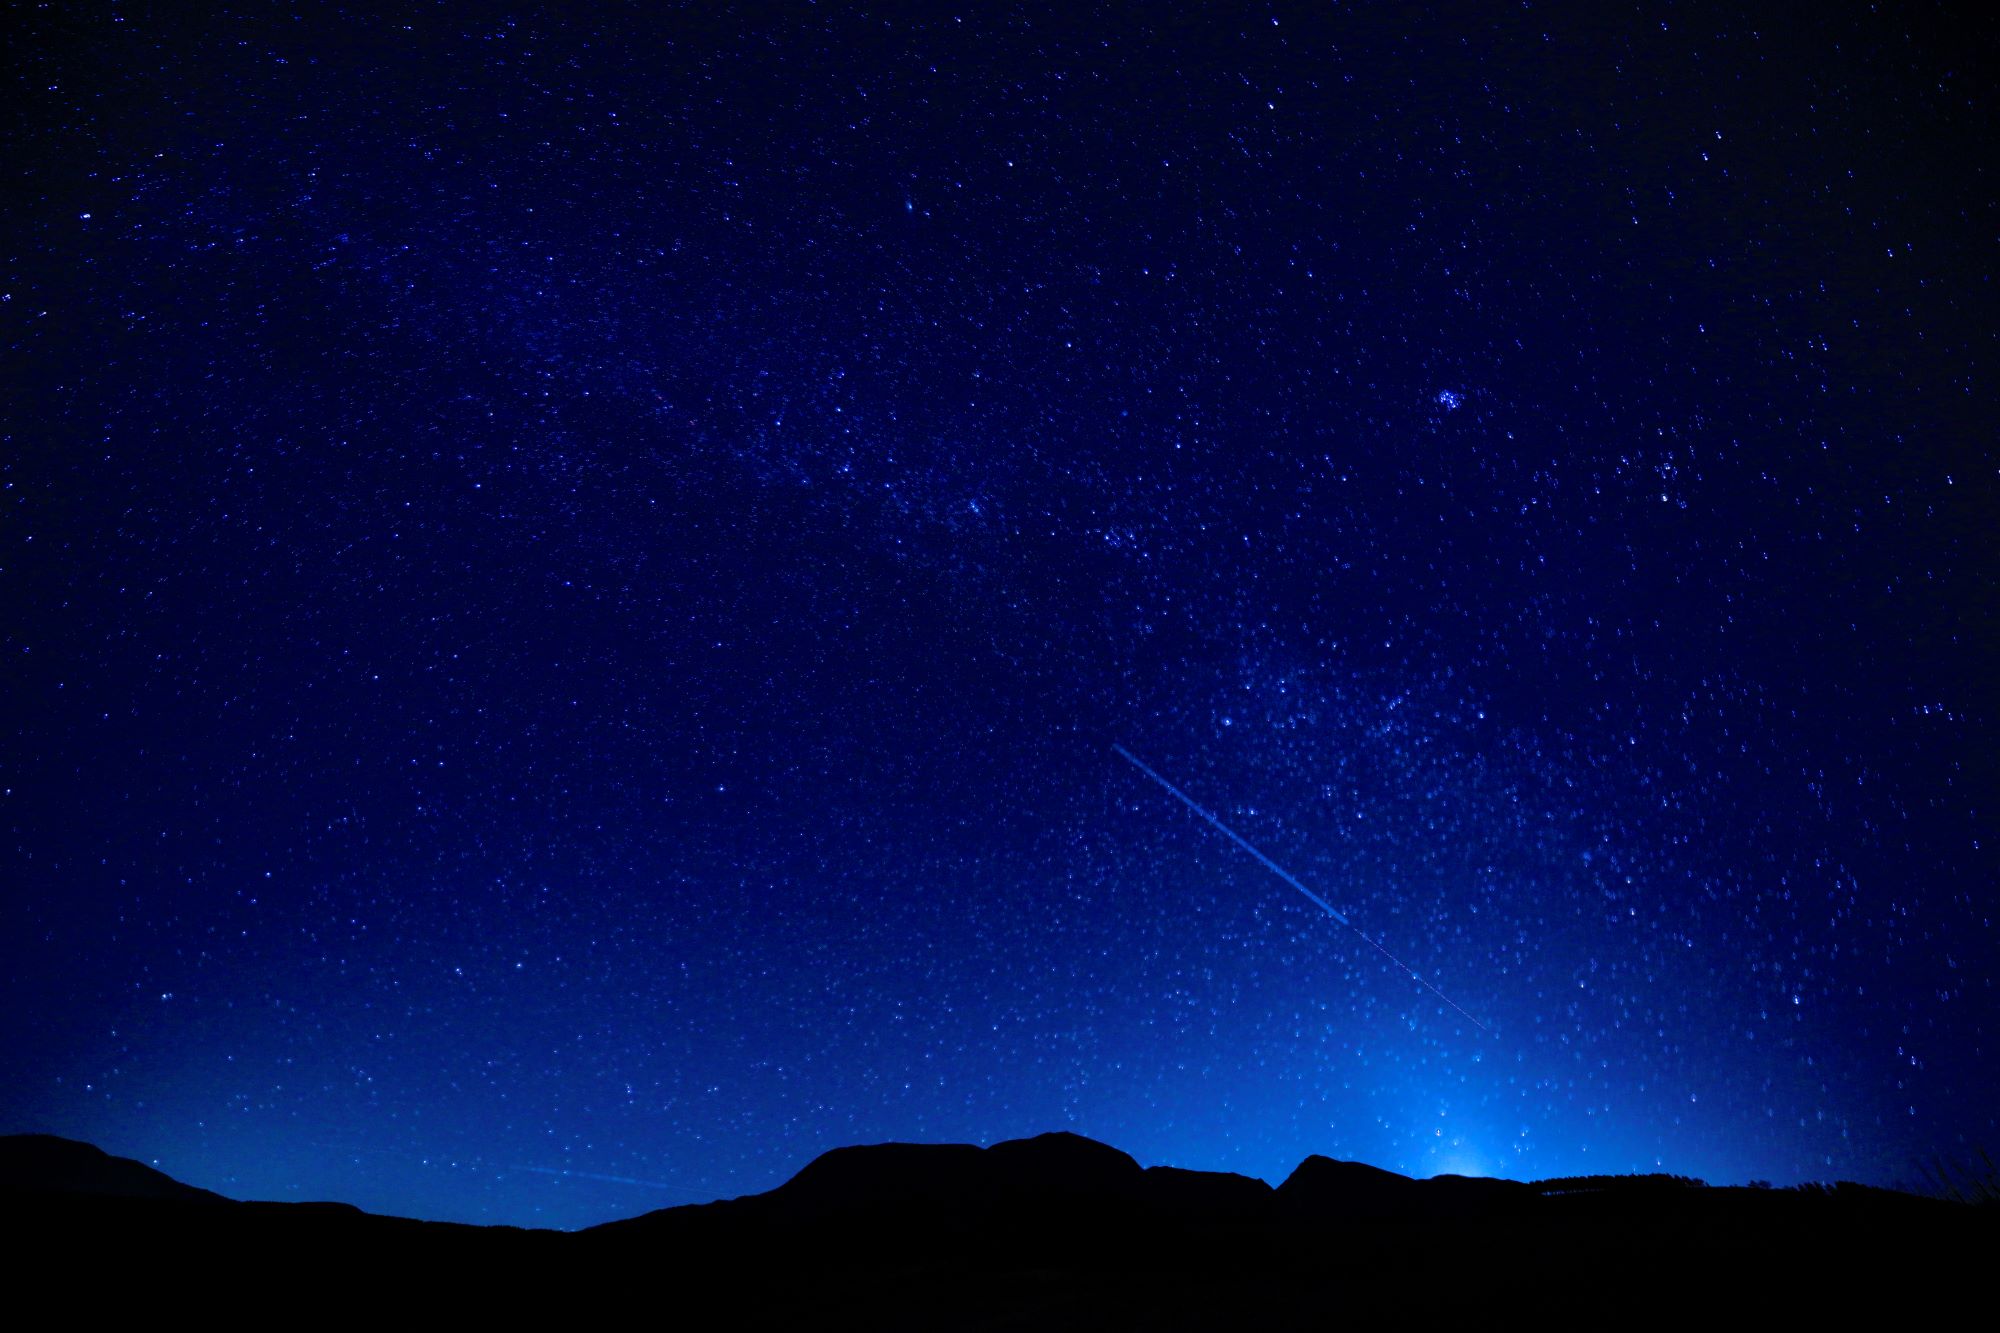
(1291, 879)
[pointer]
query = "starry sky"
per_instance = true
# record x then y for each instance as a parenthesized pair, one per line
(568, 581)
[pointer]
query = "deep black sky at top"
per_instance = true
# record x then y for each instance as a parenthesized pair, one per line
(569, 583)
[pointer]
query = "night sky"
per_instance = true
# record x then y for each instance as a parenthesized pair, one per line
(568, 585)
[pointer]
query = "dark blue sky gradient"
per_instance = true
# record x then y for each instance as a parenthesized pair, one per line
(569, 584)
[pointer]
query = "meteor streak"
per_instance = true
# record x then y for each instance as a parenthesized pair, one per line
(567, 1174)
(1289, 878)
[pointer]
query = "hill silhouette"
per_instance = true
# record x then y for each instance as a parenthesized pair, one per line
(1053, 1231)
(44, 1163)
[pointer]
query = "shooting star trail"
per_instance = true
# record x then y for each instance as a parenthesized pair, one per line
(1289, 878)
(496, 1168)
(568, 1174)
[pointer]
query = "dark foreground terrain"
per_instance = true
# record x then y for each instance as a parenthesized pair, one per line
(1057, 1231)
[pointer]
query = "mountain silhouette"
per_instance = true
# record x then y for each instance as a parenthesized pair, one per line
(46, 1164)
(1053, 1231)
(1352, 1191)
